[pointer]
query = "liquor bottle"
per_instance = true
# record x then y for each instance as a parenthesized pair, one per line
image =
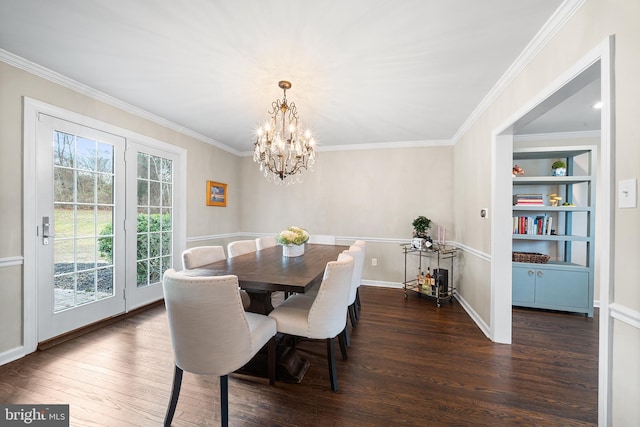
(428, 279)
(420, 279)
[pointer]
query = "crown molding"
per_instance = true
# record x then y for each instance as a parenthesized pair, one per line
(376, 146)
(566, 10)
(557, 135)
(57, 78)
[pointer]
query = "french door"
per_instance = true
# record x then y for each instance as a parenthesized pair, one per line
(105, 210)
(80, 205)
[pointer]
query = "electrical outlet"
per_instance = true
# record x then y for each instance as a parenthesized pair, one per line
(374, 262)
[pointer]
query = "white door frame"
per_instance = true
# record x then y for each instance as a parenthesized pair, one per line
(502, 152)
(31, 108)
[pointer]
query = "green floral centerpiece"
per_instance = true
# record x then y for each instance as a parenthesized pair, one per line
(292, 240)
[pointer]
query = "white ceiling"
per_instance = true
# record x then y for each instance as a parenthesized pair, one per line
(363, 71)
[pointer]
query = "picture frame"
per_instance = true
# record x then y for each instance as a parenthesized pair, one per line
(216, 193)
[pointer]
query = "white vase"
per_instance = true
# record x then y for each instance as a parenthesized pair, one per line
(292, 250)
(559, 172)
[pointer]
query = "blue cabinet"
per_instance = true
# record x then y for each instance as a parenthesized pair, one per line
(553, 287)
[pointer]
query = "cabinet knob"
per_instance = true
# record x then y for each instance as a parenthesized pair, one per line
(530, 272)
(540, 273)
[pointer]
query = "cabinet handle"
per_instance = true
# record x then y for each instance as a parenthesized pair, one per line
(540, 273)
(530, 272)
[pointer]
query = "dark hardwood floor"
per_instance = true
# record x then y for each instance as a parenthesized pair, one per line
(410, 364)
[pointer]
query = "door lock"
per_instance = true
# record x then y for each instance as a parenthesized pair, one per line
(46, 234)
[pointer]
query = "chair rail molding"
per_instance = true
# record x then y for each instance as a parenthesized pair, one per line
(11, 261)
(625, 314)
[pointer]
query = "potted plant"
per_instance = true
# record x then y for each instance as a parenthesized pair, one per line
(421, 226)
(559, 168)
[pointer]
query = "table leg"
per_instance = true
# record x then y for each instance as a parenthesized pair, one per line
(260, 302)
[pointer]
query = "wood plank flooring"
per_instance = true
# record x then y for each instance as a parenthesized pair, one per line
(410, 364)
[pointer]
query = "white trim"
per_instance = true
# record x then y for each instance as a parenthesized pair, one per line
(476, 318)
(625, 314)
(557, 135)
(377, 146)
(10, 261)
(381, 284)
(501, 240)
(29, 218)
(57, 78)
(566, 10)
(605, 226)
(11, 355)
(482, 255)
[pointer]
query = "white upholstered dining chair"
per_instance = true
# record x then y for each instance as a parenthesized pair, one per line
(202, 255)
(266, 242)
(241, 247)
(363, 246)
(323, 316)
(211, 334)
(358, 261)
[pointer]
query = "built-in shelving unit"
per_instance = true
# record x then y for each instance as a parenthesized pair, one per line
(565, 282)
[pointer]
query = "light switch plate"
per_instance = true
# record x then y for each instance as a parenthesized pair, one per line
(628, 193)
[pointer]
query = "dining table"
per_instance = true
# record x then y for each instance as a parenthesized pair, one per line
(263, 272)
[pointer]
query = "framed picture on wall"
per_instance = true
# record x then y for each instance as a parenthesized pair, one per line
(216, 194)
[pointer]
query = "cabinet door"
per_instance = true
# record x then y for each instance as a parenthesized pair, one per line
(524, 286)
(562, 288)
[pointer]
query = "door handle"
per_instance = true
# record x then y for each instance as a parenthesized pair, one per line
(46, 233)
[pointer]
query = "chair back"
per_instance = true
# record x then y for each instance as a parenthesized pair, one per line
(327, 316)
(201, 255)
(209, 330)
(241, 247)
(322, 239)
(266, 242)
(358, 260)
(363, 247)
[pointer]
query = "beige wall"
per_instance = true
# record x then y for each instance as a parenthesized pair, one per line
(590, 26)
(363, 194)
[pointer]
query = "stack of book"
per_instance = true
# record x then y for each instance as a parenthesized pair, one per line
(528, 200)
(538, 225)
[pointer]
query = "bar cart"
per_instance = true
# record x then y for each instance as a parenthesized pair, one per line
(442, 287)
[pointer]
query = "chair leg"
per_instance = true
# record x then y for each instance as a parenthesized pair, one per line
(175, 392)
(271, 360)
(347, 340)
(224, 400)
(352, 315)
(358, 298)
(332, 365)
(343, 343)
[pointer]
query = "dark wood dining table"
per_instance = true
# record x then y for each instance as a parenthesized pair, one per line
(266, 271)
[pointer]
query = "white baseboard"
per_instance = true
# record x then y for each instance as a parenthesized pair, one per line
(381, 284)
(474, 316)
(11, 355)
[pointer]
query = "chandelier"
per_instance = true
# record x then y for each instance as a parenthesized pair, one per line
(282, 148)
